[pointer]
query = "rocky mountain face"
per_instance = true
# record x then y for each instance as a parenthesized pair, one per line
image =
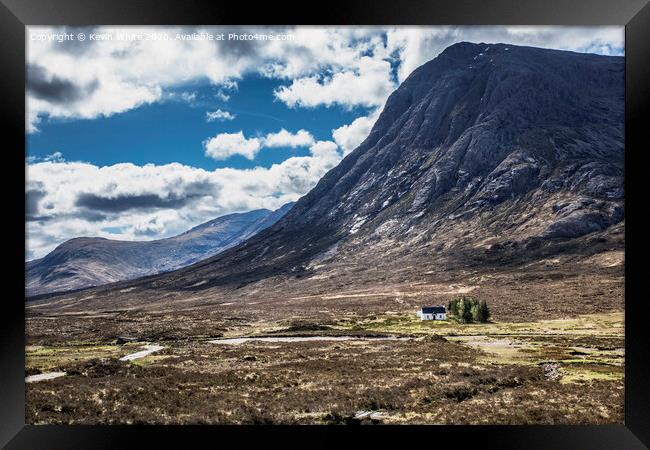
(93, 261)
(489, 155)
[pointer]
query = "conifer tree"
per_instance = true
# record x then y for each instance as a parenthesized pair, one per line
(476, 312)
(484, 312)
(466, 314)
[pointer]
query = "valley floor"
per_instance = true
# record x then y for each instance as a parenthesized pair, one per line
(562, 370)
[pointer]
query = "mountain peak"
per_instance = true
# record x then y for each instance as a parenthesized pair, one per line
(92, 261)
(487, 154)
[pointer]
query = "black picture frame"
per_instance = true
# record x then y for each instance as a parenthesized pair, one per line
(16, 14)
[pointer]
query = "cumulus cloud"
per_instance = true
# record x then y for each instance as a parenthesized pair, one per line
(345, 66)
(33, 197)
(369, 85)
(350, 136)
(56, 156)
(96, 79)
(224, 145)
(414, 46)
(54, 89)
(326, 150)
(70, 199)
(219, 115)
(151, 228)
(127, 74)
(284, 138)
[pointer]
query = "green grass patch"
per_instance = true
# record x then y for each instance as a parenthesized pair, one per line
(579, 374)
(57, 357)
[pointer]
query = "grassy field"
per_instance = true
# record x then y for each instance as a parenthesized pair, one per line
(550, 371)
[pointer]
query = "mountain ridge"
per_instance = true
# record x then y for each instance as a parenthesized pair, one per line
(83, 262)
(487, 155)
(516, 169)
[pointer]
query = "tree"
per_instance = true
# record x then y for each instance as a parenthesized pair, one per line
(465, 310)
(484, 312)
(476, 312)
(468, 310)
(453, 307)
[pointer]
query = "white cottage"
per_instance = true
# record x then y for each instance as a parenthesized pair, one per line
(432, 313)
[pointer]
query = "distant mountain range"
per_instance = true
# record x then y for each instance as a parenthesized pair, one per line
(94, 261)
(489, 155)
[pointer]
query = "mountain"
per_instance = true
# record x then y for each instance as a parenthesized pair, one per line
(488, 156)
(92, 261)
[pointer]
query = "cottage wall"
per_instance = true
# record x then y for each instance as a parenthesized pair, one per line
(431, 316)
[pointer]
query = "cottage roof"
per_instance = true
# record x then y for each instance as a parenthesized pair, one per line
(433, 309)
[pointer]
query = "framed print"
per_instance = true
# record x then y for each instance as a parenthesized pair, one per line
(252, 222)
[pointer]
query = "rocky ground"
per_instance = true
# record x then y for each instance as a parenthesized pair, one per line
(557, 371)
(556, 286)
(552, 354)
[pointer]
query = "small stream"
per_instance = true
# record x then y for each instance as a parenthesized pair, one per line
(487, 342)
(148, 349)
(44, 376)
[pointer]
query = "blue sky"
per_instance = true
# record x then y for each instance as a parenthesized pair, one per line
(144, 138)
(174, 130)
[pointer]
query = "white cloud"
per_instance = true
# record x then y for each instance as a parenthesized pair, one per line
(221, 95)
(220, 115)
(161, 199)
(326, 150)
(225, 145)
(182, 96)
(226, 86)
(348, 137)
(123, 74)
(284, 138)
(347, 66)
(369, 85)
(188, 97)
(126, 74)
(56, 156)
(415, 46)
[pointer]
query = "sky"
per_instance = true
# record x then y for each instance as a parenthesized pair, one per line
(140, 133)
